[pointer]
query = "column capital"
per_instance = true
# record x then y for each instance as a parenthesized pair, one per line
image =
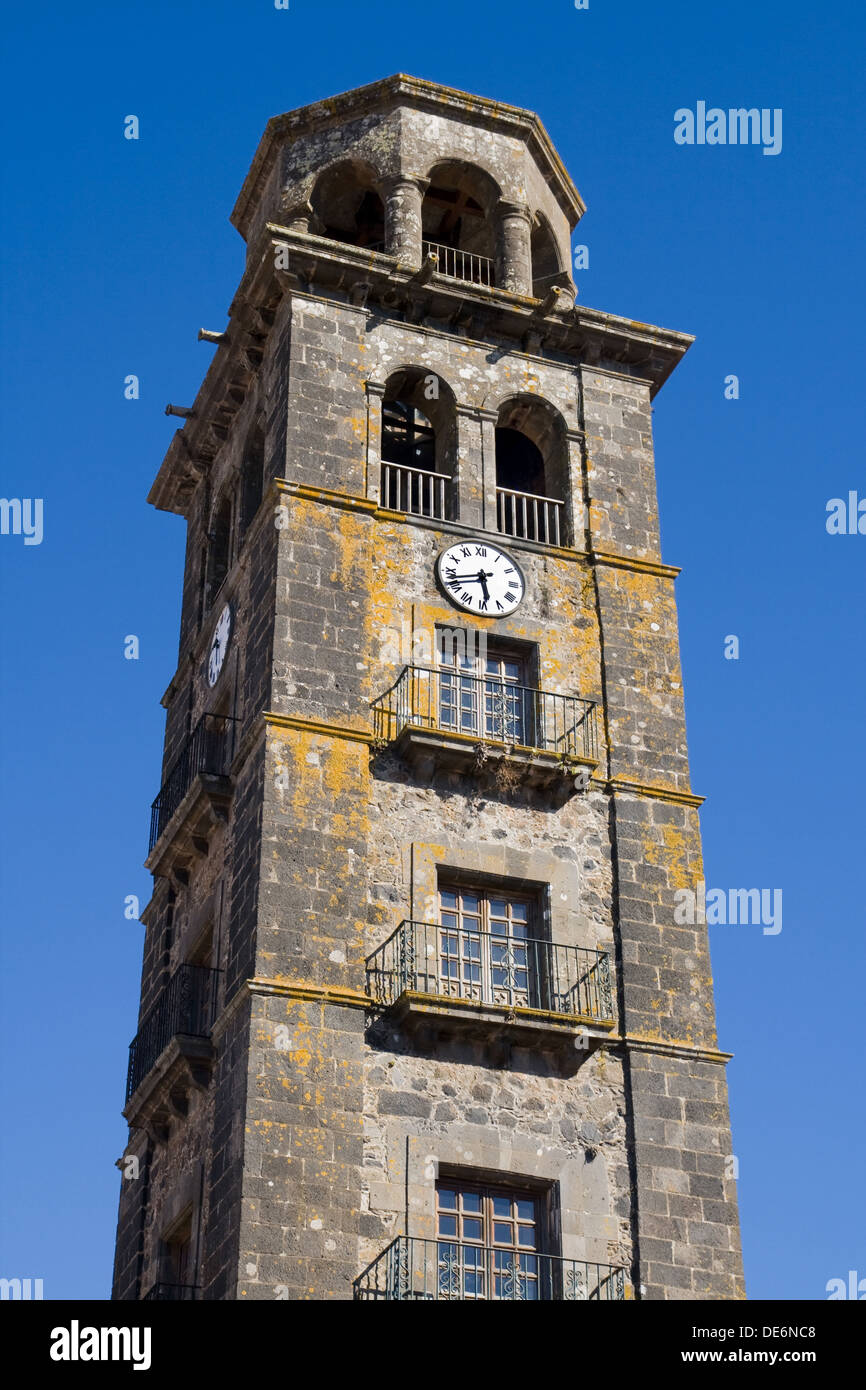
(390, 183)
(507, 209)
(296, 212)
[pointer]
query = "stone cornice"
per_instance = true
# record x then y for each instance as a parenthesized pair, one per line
(345, 997)
(624, 784)
(305, 989)
(350, 501)
(317, 726)
(634, 562)
(634, 1042)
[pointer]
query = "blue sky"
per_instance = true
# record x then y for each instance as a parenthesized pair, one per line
(116, 252)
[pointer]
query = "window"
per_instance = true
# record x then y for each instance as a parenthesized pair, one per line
(419, 443)
(488, 1242)
(531, 471)
(347, 207)
(252, 478)
(458, 221)
(408, 438)
(488, 696)
(546, 266)
(219, 556)
(177, 1263)
(488, 946)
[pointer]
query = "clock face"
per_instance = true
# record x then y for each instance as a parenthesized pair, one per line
(219, 646)
(481, 578)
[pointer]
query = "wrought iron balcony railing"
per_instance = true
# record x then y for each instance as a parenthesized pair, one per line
(414, 490)
(186, 1006)
(460, 265)
(488, 709)
(519, 972)
(530, 516)
(442, 1270)
(172, 1293)
(209, 748)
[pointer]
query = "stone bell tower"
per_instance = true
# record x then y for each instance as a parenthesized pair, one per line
(417, 1020)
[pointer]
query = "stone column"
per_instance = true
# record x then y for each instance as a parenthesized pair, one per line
(514, 257)
(469, 472)
(296, 217)
(488, 420)
(375, 395)
(575, 509)
(403, 197)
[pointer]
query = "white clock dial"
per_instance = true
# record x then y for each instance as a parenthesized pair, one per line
(219, 646)
(481, 578)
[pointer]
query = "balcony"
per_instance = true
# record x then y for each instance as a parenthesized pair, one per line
(460, 265)
(414, 491)
(172, 1049)
(172, 1293)
(196, 793)
(521, 989)
(529, 517)
(456, 721)
(410, 1269)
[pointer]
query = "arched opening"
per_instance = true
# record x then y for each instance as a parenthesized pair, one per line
(347, 207)
(546, 264)
(252, 477)
(531, 471)
(457, 222)
(419, 429)
(219, 553)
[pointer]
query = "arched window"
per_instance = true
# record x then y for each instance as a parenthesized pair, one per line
(252, 477)
(419, 431)
(219, 553)
(347, 207)
(546, 264)
(531, 471)
(457, 223)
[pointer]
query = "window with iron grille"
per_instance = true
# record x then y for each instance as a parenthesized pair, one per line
(488, 945)
(488, 695)
(488, 1237)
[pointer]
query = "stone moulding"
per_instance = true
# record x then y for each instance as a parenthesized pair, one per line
(162, 1096)
(489, 1022)
(204, 807)
(345, 997)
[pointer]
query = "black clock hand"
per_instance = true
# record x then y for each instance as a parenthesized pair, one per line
(482, 580)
